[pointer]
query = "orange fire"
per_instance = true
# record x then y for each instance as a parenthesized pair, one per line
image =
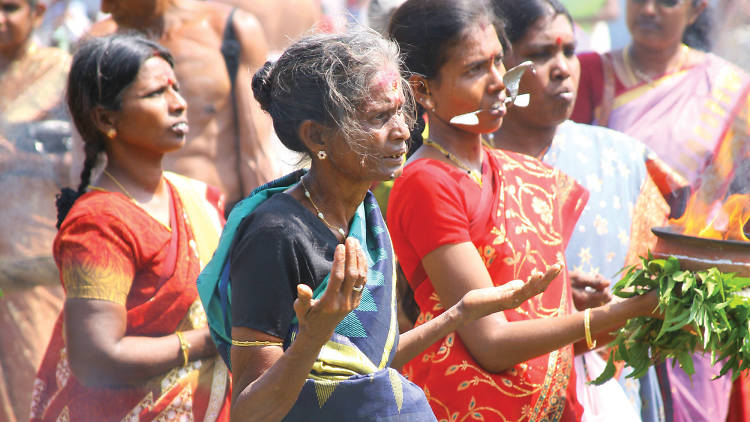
(726, 221)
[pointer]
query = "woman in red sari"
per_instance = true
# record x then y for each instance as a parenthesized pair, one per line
(463, 216)
(131, 342)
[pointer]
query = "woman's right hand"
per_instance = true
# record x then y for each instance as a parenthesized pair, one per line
(319, 317)
(480, 302)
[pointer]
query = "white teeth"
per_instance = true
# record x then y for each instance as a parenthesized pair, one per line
(180, 127)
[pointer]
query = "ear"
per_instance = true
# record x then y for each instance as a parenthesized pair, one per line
(104, 119)
(696, 11)
(313, 135)
(421, 88)
(38, 13)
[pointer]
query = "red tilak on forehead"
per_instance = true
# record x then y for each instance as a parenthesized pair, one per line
(558, 41)
(387, 79)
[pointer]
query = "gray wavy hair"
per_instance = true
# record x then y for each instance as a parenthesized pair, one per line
(326, 78)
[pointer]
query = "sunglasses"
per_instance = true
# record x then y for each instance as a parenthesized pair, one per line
(662, 3)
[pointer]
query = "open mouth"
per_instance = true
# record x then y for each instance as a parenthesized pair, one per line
(497, 107)
(181, 128)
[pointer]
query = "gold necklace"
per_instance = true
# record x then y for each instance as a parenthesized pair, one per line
(473, 174)
(638, 76)
(341, 231)
(122, 188)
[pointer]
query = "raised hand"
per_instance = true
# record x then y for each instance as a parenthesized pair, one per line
(480, 302)
(319, 317)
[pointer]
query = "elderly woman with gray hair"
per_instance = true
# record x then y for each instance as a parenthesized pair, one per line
(300, 294)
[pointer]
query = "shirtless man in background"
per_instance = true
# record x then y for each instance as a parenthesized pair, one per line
(235, 155)
(283, 21)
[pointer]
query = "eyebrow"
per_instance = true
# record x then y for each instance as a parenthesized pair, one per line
(550, 44)
(484, 60)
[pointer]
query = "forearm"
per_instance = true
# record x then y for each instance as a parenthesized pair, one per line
(497, 349)
(414, 341)
(132, 360)
(271, 395)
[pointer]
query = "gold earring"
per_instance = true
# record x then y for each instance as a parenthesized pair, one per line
(322, 155)
(111, 133)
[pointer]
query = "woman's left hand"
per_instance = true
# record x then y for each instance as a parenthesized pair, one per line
(589, 290)
(480, 302)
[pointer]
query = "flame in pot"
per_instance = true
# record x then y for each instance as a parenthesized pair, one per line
(729, 220)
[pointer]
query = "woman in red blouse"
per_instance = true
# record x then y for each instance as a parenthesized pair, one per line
(463, 216)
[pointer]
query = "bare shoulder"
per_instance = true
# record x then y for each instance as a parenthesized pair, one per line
(106, 26)
(219, 12)
(249, 32)
(251, 37)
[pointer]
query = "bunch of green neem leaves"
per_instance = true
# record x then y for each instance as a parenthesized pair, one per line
(701, 310)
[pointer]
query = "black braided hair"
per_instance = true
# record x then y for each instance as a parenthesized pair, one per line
(416, 139)
(102, 69)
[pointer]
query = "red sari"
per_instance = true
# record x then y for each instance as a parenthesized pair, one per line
(520, 219)
(108, 248)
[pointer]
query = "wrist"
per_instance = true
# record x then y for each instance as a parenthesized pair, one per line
(312, 338)
(184, 348)
(457, 315)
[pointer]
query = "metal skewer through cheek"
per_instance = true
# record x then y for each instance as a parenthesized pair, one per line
(511, 80)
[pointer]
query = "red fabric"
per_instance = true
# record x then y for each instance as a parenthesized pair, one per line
(519, 220)
(739, 411)
(106, 242)
(591, 87)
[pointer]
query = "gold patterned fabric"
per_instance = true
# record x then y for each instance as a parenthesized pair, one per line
(519, 221)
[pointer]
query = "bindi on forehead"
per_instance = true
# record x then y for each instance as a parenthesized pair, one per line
(387, 80)
(558, 41)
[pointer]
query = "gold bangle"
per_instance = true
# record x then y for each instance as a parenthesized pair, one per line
(587, 328)
(255, 343)
(184, 347)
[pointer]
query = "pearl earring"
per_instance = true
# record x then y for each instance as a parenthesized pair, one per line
(322, 155)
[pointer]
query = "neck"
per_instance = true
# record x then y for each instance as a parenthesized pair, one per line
(466, 146)
(336, 195)
(523, 138)
(141, 170)
(136, 179)
(655, 61)
(11, 55)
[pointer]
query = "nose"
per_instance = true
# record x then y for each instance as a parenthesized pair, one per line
(496, 74)
(648, 7)
(177, 104)
(561, 67)
(400, 131)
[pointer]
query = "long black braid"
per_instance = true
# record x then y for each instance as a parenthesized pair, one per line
(67, 196)
(416, 139)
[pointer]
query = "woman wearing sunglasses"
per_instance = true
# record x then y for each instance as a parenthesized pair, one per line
(682, 103)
